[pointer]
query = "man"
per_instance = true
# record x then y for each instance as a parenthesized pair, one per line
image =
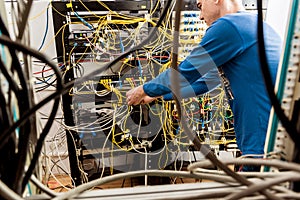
(230, 44)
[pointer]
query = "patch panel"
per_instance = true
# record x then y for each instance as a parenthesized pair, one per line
(252, 4)
(190, 24)
(191, 31)
(278, 139)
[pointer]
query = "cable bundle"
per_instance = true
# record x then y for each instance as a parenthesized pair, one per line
(18, 108)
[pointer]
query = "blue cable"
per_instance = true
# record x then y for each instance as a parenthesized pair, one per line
(43, 82)
(46, 30)
(163, 60)
(83, 21)
(140, 68)
(121, 44)
(2, 51)
(29, 189)
(50, 76)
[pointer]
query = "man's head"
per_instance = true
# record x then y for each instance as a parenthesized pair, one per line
(211, 10)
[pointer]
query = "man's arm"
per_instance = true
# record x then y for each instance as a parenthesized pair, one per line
(206, 83)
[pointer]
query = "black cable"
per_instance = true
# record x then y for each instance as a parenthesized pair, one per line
(41, 88)
(44, 77)
(38, 89)
(54, 164)
(6, 134)
(40, 144)
(23, 104)
(26, 131)
(28, 113)
(18, 46)
(4, 112)
(11, 44)
(47, 127)
(5, 153)
(15, 61)
(43, 80)
(174, 72)
(289, 127)
(12, 84)
(24, 19)
(79, 70)
(226, 84)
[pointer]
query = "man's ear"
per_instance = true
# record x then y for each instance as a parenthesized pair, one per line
(218, 1)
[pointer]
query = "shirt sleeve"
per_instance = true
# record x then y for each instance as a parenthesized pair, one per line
(221, 43)
(205, 84)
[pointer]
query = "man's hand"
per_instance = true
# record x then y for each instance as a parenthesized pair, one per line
(137, 96)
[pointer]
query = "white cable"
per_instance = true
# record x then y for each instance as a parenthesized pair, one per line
(165, 173)
(280, 195)
(104, 144)
(246, 174)
(146, 166)
(7, 193)
(42, 187)
(263, 185)
(250, 161)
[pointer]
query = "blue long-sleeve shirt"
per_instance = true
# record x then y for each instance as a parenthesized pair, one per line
(231, 42)
(206, 83)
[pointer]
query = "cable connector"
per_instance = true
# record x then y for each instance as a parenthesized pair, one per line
(226, 84)
(146, 143)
